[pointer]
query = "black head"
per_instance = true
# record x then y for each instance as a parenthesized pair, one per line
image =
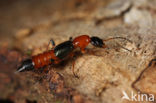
(97, 42)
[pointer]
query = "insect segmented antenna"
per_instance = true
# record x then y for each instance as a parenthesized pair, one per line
(118, 38)
(118, 43)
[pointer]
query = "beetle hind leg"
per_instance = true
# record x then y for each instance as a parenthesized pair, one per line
(73, 70)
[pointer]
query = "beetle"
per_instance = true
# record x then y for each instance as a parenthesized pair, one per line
(62, 51)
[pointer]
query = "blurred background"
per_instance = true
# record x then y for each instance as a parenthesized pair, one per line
(18, 15)
(26, 26)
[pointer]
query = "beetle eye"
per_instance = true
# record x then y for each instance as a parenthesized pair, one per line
(96, 41)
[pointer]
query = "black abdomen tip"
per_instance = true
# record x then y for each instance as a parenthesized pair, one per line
(26, 66)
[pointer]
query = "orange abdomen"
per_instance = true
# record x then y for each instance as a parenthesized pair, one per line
(43, 59)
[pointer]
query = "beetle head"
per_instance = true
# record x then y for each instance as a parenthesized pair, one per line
(97, 42)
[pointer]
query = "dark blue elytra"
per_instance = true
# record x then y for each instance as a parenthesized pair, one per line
(64, 49)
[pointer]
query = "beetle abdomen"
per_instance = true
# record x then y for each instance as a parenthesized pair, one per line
(43, 59)
(26, 65)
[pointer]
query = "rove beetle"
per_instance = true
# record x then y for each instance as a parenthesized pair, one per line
(62, 51)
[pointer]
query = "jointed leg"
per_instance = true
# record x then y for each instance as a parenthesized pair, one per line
(104, 46)
(57, 61)
(70, 38)
(83, 50)
(51, 42)
(73, 64)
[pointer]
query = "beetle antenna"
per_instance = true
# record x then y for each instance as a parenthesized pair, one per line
(118, 38)
(118, 43)
(124, 47)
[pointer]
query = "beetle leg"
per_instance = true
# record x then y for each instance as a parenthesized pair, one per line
(73, 65)
(104, 46)
(51, 42)
(47, 69)
(57, 61)
(91, 52)
(83, 50)
(70, 38)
